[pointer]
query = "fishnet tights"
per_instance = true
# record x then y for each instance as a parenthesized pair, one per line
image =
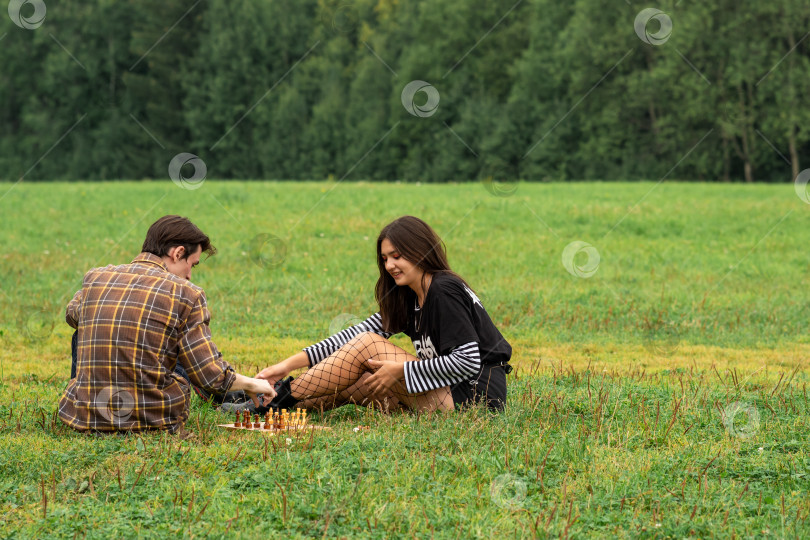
(341, 379)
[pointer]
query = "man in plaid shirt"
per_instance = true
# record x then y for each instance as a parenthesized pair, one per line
(136, 324)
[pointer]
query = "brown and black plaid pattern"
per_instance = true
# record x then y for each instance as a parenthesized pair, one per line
(136, 322)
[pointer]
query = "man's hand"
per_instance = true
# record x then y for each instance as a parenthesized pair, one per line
(259, 386)
(252, 387)
(387, 374)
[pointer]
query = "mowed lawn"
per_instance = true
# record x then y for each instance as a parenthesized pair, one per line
(659, 336)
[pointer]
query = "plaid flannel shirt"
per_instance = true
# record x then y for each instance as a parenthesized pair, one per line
(136, 322)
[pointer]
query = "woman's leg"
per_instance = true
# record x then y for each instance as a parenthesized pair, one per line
(356, 394)
(344, 368)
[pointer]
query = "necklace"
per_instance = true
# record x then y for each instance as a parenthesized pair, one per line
(417, 320)
(417, 316)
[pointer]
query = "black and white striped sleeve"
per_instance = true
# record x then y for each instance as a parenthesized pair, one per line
(318, 352)
(462, 363)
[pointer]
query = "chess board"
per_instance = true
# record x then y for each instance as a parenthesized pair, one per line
(273, 423)
(273, 430)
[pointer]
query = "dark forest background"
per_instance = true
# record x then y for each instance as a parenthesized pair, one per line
(536, 90)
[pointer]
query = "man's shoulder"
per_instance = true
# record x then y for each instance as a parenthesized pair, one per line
(184, 285)
(154, 273)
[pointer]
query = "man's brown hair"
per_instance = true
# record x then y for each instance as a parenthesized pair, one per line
(171, 231)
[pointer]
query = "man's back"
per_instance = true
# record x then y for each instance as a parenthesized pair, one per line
(135, 323)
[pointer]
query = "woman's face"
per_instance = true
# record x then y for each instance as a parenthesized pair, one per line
(404, 272)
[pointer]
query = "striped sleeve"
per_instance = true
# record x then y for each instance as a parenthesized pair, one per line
(462, 363)
(318, 352)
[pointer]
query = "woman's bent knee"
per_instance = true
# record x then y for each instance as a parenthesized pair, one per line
(367, 339)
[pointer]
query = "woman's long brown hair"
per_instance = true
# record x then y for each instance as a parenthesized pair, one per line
(419, 244)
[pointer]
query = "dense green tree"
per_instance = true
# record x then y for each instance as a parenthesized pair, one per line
(310, 89)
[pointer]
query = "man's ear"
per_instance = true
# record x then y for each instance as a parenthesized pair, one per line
(176, 253)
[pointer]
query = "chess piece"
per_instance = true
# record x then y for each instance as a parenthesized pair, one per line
(246, 420)
(283, 420)
(238, 422)
(267, 421)
(256, 423)
(304, 419)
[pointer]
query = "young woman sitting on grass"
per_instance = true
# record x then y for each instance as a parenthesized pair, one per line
(461, 358)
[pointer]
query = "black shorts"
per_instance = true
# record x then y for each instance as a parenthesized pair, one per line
(489, 387)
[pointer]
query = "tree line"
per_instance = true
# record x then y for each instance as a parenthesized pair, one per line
(536, 90)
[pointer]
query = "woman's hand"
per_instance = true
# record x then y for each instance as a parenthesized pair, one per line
(273, 374)
(387, 374)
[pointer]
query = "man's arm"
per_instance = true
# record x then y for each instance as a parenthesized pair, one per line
(203, 362)
(73, 308)
(253, 387)
(199, 355)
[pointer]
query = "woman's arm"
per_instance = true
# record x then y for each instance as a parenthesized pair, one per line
(315, 353)
(462, 363)
(323, 349)
(422, 375)
(282, 369)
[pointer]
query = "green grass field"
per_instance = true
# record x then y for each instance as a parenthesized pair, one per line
(663, 396)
